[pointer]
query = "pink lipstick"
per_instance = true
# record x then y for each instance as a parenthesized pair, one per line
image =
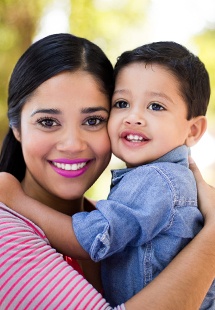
(70, 168)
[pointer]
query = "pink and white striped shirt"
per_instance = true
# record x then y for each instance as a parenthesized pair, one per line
(34, 276)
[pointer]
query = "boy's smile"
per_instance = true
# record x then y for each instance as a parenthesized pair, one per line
(134, 138)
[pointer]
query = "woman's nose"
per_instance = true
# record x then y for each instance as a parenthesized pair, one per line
(72, 141)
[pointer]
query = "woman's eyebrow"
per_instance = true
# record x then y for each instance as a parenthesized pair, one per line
(46, 111)
(93, 109)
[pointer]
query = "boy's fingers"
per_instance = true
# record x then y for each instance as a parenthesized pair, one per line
(195, 170)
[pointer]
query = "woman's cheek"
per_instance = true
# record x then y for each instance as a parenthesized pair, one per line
(102, 148)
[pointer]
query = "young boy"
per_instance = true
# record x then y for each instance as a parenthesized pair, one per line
(158, 111)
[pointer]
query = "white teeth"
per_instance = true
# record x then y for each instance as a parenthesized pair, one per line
(69, 167)
(134, 138)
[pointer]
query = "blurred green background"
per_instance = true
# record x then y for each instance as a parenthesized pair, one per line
(116, 26)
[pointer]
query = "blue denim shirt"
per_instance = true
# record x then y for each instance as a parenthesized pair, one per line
(150, 215)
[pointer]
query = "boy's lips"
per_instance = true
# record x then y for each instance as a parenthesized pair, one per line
(134, 136)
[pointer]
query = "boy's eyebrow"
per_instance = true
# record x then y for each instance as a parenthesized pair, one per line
(162, 95)
(46, 111)
(93, 109)
(121, 91)
(157, 94)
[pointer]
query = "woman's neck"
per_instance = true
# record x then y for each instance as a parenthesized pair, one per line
(68, 207)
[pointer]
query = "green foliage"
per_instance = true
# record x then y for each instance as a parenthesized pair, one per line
(18, 23)
(206, 48)
(111, 24)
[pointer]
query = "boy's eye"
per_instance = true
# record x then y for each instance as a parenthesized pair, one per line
(47, 122)
(155, 107)
(121, 104)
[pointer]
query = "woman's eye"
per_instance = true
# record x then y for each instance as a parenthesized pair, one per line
(155, 107)
(94, 121)
(121, 104)
(47, 122)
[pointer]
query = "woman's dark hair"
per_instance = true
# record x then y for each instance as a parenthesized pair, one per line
(186, 67)
(42, 60)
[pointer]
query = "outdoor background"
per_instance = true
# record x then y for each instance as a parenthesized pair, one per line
(116, 26)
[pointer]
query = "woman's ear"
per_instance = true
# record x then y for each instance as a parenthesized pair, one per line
(198, 126)
(17, 134)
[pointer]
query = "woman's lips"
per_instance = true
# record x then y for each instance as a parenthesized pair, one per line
(70, 168)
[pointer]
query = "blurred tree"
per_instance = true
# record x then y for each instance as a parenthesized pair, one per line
(18, 23)
(206, 47)
(113, 25)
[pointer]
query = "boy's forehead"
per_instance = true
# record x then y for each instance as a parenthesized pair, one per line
(136, 70)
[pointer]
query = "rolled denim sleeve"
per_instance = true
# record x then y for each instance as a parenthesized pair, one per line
(136, 210)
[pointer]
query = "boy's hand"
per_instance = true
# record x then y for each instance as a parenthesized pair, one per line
(206, 194)
(10, 187)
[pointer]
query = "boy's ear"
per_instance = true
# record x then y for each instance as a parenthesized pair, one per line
(17, 134)
(198, 126)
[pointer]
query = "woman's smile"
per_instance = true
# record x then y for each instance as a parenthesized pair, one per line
(66, 164)
(70, 168)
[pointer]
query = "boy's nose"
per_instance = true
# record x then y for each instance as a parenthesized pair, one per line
(135, 123)
(135, 120)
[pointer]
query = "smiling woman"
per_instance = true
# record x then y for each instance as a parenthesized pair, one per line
(58, 106)
(70, 127)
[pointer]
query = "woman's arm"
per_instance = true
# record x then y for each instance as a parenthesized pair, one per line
(49, 220)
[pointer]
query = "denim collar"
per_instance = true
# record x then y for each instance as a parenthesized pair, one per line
(178, 155)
